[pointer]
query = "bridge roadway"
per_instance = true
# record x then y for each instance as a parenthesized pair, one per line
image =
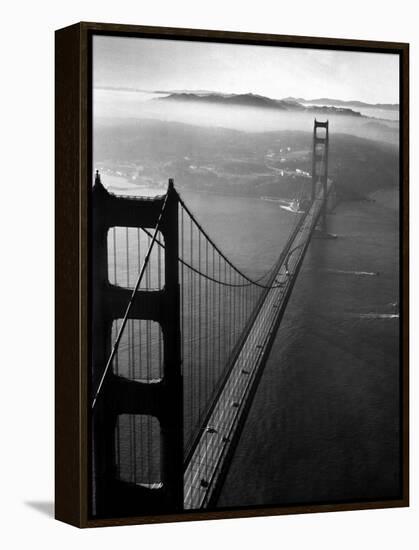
(206, 467)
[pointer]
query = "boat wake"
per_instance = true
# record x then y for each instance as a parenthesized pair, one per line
(357, 273)
(379, 316)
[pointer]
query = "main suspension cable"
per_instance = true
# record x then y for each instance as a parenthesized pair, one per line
(243, 275)
(214, 280)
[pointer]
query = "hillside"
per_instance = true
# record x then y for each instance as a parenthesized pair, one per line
(230, 162)
(253, 100)
(348, 103)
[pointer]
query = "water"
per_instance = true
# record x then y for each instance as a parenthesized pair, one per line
(324, 422)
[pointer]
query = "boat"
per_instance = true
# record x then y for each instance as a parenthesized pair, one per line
(293, 206)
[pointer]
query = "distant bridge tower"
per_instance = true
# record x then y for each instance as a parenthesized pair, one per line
(320, 164)
(161, 399)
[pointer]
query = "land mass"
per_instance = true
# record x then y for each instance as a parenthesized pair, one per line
(342, 103)
(254, 100)
(231, 162)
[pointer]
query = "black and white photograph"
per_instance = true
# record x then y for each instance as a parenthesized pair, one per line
(245, 276)
(209, 262)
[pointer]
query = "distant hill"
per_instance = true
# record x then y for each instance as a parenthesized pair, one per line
(254, 100)
(351, 103)
(251, 100)
(288, 103)
(198, 92)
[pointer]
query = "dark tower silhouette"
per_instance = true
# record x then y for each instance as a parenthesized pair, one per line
(119, 395)
(320, 164)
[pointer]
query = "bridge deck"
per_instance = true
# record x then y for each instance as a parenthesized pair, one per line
(206, 466)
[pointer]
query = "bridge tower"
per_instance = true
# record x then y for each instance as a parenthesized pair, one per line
(162, 399)
(320, 164)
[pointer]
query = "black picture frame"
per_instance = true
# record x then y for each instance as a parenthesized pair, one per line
(73, 170)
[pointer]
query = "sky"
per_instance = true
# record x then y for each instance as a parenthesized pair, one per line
(277, 72)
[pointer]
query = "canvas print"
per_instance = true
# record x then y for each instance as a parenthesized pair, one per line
(245, 276)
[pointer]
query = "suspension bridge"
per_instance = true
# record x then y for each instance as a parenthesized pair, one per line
(180, 338)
